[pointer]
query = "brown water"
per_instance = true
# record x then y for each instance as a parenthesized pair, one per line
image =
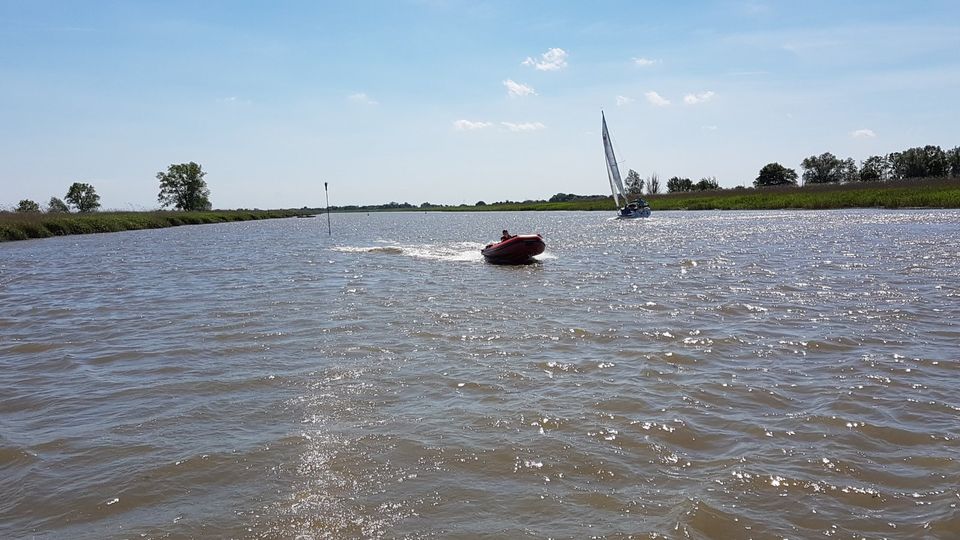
(694, 375)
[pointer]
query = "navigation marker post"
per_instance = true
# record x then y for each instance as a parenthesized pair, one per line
(327, 193)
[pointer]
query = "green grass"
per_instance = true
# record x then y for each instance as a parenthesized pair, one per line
(18, 226)
(914, 193)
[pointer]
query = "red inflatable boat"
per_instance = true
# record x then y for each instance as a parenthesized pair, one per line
(519, 249)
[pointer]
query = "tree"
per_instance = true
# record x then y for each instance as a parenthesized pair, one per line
(953, 160)
(28, 206)
(183, 187)
(919, 162)
(874, 169)
(425, 205)
(634, 184)
(848, 171)
(83, 197)
(57, 206)
(823, 169)
(480, 203)
(677, 184)
(707, 183)
(775, 174)
(653, 184)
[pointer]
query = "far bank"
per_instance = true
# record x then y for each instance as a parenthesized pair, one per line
(24, 226)
(912, 193)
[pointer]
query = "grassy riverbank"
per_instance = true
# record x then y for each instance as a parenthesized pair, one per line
(914, 193)
(928, 193)
(23, 226)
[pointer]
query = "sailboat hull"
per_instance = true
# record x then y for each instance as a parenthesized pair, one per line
(634, 213)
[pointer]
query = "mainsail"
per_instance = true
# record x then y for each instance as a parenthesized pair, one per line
(613, 172)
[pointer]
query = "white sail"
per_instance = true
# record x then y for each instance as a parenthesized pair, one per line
(613, 172)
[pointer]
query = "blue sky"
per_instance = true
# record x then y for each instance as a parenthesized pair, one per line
(455, 102)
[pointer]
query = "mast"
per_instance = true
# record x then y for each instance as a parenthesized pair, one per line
(613, 172)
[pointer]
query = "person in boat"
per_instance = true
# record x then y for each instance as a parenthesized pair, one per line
(506, 236)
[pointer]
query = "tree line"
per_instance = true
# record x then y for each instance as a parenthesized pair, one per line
(182, 186)
(636, 185)
(920, 162)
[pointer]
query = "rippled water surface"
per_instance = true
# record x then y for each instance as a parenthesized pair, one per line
(693, 375)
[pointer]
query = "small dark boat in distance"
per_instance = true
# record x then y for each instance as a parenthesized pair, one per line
(518, 249)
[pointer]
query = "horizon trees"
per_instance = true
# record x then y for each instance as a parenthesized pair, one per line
(83, 197)
(57, 206)
(183, 187)
(707, 183)
(653, 184)
(27, 206)
(677, 184)
(634, 184)
(775, 174)
(875, 169)
(919, 162)
(828, 169)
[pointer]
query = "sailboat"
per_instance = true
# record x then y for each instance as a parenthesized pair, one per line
(628, 210)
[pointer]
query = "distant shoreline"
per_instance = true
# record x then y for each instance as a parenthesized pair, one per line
(26, 226)
(914, 194)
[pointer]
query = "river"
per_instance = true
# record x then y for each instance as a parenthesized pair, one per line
(693, 375)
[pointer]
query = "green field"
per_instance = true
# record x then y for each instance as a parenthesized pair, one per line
(914, 193)
(23, 226)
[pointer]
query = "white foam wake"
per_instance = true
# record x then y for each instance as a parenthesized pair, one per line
(458, 251)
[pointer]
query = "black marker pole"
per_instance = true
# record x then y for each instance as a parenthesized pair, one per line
(327, 193)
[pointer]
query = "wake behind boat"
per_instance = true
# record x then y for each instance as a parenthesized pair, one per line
(630, 210)
(518, 249)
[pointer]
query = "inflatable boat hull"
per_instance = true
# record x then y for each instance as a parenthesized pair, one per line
(517, 250)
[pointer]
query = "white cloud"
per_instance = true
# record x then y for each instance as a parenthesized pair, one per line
(863, 134)
(467, 125)
(234, 100)
(656, 99)
(624, 100)
(553, 60)
(644, 62)
(525, 126)
(363, 98)
(709, 128)
(515, 89)
(702, 97)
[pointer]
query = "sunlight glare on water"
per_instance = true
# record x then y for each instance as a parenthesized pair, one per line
(695, 374)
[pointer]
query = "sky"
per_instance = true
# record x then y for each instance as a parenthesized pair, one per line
(452, 102)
